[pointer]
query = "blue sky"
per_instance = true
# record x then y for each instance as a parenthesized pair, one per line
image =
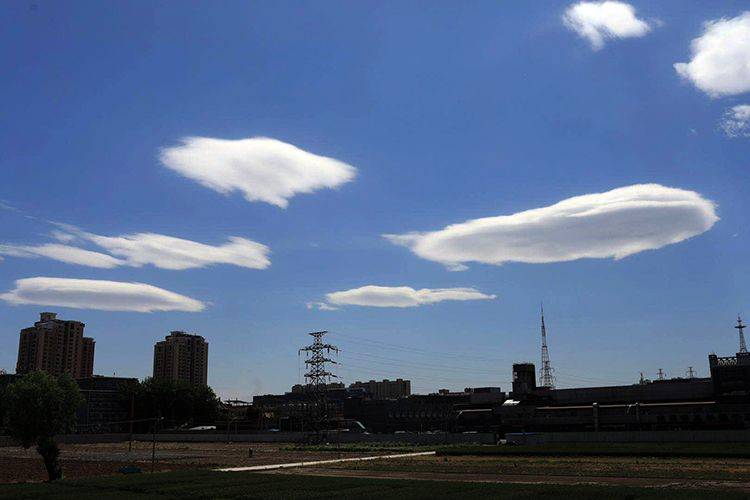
(447, 113)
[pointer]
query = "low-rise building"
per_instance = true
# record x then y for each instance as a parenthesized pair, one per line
(385, 389)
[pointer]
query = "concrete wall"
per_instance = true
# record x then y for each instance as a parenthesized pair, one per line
(721, 436)
(285, 437)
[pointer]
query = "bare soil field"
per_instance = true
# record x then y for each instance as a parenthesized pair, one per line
(82, 460)
(527, 479)
(669, 468)
(211, 484)
(634, 471)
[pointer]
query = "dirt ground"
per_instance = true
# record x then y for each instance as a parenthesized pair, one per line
(81, 460)
(650, 482)
(627, 471)
(19, 465)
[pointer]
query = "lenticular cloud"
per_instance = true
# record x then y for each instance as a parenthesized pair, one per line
(98, 294)
(262, 169)
(140, 249)
(614, 224)
(400, 296)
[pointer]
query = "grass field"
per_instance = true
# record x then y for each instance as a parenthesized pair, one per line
(207, 484)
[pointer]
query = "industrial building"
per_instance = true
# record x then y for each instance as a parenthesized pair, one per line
(104, 407)
(55, 346)
(182, 356)
(720, 401)
(385, 389)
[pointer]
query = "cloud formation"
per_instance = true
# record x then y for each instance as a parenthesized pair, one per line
(601, 21)
(262, 169)
(321, 306)
(167, 252)
(736, 121)
(137, 250)
(63, 253)
(720, 63)
(614, 224)
(98, 294)
(399, 296)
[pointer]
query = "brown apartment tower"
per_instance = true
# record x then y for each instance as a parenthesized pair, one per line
(56, 346)
(182, 356)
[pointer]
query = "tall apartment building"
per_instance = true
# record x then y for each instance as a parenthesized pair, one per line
(385, 389)
(182, 356)
(55, 346)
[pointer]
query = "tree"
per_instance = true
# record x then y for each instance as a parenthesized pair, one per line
(39, 406)
(178, 403)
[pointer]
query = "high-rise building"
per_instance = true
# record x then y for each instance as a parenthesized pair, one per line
(182, 356)
(55, 346)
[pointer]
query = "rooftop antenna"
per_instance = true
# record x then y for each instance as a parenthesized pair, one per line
(741, 327)
(547, 380)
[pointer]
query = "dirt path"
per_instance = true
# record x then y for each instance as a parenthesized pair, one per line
(322, 462)
(521, 478)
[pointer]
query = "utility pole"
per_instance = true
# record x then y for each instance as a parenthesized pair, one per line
(741, 327)
(132, 416)
(546, 379)
(317, 376)
(153, 444)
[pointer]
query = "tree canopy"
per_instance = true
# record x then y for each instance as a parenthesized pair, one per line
(178, 403)
(36, 408)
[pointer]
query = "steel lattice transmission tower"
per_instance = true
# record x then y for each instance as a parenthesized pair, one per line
(546, 379)
(317, 376)
(741, 327)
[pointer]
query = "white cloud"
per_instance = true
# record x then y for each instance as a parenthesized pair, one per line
(736, 121)
(600, 21)
(321, 306)
(136, 250)
(168, 252)
(401, 296)
(63, 253)
(720, 63)
(98, 294)
(62, 236)
(262, 169)
(615, 224)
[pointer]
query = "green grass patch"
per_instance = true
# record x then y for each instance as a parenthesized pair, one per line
(208, 484)
(671, 450)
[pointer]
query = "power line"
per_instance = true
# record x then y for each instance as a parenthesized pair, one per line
(464, 368)
(416, 350)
